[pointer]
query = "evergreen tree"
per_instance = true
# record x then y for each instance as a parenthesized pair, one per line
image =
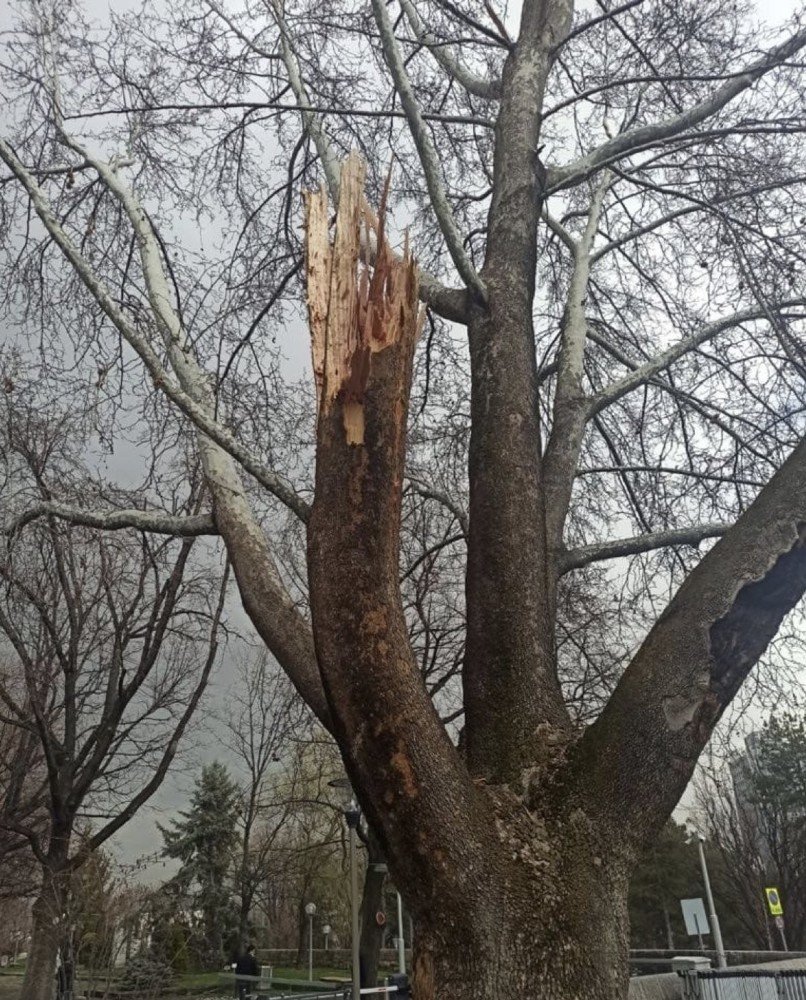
(666, 874)
(91, 910)
(777, 787)
(203, 840)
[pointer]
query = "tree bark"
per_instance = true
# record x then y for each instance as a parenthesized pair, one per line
(509, 661)
(371, 905)
(39, 981)
(506, 941)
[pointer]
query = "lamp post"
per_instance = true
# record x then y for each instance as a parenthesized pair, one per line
(401, 941)
(713, 919)
(352, 816)
(326, 932)
(310, 909)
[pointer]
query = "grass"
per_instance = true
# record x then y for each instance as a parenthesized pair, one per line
(192, 982)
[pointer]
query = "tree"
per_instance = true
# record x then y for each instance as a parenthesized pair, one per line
(111, 641)
(610, 206)
(92, 918)
(759, 822)
(670, 871)
(204, 840)
(665, 875)
(264, 711)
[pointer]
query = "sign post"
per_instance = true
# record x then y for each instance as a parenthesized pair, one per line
(695, 918)
(776, 908)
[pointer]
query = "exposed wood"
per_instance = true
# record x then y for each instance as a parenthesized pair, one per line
(354, 311)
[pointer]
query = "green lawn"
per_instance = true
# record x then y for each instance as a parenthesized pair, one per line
(191, 983)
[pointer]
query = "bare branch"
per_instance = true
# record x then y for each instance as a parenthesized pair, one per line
(111, 520)
(577, 558)
(647, 135)
(428, 154)
(449, 60)
(647, 371)
(199, 414)
(449, 303)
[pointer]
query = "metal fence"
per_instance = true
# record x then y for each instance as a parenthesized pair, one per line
(745, 984)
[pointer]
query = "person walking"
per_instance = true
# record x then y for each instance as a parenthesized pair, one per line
(246, 966)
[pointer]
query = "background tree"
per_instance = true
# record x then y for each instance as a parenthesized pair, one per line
(264, 711)
(758, 817)
(670, 871)
(112, 640)
(610, 205)
(204, 841)
(664, 875)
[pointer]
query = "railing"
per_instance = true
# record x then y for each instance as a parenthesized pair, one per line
(744, 984)
(266, 987)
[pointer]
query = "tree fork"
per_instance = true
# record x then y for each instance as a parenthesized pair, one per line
(364, 327)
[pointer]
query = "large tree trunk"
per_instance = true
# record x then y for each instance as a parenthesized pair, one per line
(39, 982)
(550, 924)
(371, 905)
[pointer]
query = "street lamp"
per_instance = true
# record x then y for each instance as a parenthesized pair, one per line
(326, 932)
(310, 909)
(713, 919)
(352, 815)
(401, 940)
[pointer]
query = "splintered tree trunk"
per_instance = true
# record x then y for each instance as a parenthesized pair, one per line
(517, 891)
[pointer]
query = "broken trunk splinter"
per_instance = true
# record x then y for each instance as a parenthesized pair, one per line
(357, 305)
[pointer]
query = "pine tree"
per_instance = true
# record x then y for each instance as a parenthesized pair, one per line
(778, 800)
(203, 840)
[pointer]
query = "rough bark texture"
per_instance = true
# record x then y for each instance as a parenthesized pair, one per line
(717, 626)
(510, 635)
(372, 904)
(39, 981)
(506, 942)
(466, 856)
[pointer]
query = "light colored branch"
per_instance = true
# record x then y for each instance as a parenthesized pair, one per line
(313, 124)
(265, 597)
(570, 411)
(426, 150)
(250, 43)
(572, 349)
(428, 492)
(478, 85)
(447, 302)
(584, 556)
(651, 368)
(696, 205)
(198, 414)
(648, 135)
(559, 230)
(112, 520)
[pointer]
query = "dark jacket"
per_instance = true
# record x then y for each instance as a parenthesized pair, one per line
(247, 966)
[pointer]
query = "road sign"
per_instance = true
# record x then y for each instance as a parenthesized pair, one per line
(779, 923)
(774, 901)
(694, 916)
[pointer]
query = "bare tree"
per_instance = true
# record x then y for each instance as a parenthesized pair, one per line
(612, 206)
(263, 712)
(732, 828)
(114, 638)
